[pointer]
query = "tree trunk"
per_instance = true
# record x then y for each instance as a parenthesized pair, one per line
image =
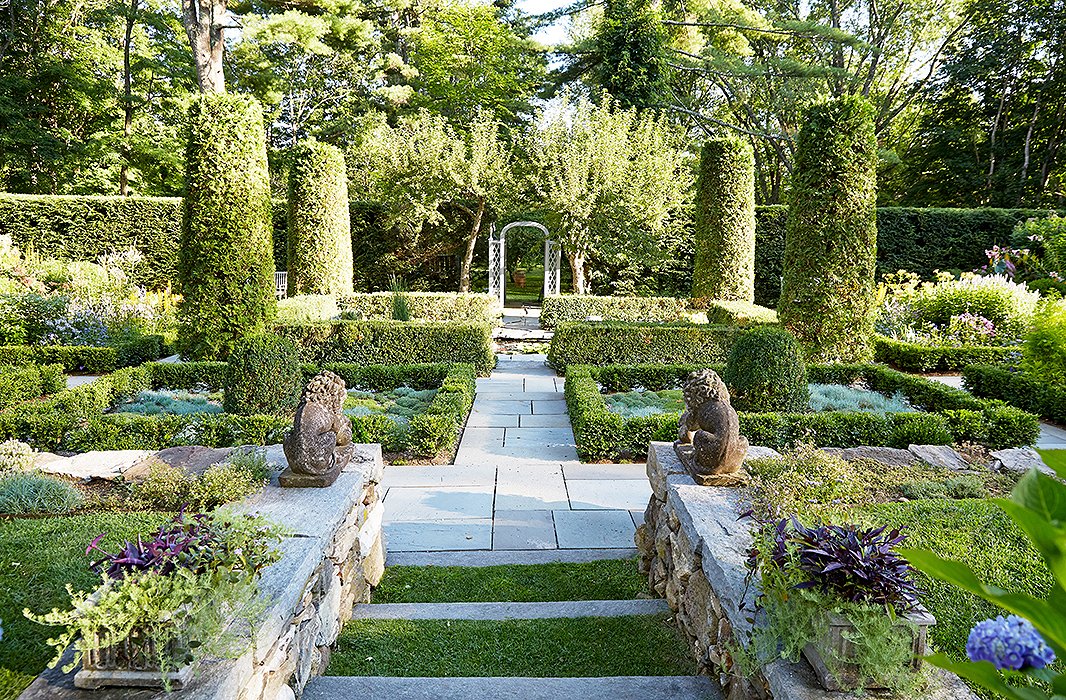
(204, 24)
(577, 268)
(471, 242)
(127, 98)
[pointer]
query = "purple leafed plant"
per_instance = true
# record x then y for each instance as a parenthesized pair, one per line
(173, 546)
(857, 565)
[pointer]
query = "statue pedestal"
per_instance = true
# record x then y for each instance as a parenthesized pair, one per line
(291, 479)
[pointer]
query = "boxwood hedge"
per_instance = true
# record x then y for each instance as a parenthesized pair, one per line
(1018, 389)
(951, 414)
(393, 342)
(630, 343)
(423, 306)
(29, 382)
(561, 308)
(914, 357)
(75, 420)
(87, 359)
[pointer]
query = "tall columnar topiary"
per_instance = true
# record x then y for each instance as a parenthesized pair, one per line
(828, 289)
(264, 376)
(725, 222)
(226, 259)
(319, 236)
(766, 372)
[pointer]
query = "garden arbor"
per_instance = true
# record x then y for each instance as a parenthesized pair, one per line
(497, 259)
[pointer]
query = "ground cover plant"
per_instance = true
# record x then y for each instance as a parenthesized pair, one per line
(571, 647)
(936, 414)
(178, 402)
(609, 579)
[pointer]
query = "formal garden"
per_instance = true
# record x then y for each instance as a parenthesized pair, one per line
(407, 350)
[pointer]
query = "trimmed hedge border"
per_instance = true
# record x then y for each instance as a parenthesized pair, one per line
(75, 420)
(29, 382)
(914, 357)
(995, 382)
(423, 306)
(86, 359)
(630, 343)
(952, 414)
(577, 308)
(393, 342)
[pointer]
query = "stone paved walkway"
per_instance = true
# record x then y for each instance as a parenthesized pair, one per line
(516, 483)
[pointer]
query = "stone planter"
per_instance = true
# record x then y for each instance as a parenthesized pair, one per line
(836, 645)
(132, 663)
(519, 278)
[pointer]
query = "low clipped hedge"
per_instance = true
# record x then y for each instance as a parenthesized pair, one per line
(1018, 389)
(563, 308)
(393, 342)
(28, 382)
(952, 415)
(630, 343)
(74, 419)
(423, 306)
(86, 359)
(915, 357)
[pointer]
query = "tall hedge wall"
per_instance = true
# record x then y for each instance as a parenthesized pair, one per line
(724, 226)
(319, 227)
(226, 265)
(827, 290)
(84, 228)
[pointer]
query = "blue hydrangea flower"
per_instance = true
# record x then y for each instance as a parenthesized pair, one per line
(1010, 643)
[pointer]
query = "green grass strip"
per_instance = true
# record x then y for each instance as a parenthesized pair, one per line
(40, 556)
(646, 645)
(612, 579)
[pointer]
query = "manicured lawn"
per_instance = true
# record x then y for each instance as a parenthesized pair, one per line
(616, 579)
(1056, 459)
(978, 533)
(569, 647)
(38, 557)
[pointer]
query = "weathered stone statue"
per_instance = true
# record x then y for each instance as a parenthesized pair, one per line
(320, 445)
(709, 442)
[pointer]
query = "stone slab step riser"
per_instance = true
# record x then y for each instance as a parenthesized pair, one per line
(507, 557)
(510, 611)
(613, 688)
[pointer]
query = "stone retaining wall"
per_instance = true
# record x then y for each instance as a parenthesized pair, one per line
(692, 548)
(331, 558)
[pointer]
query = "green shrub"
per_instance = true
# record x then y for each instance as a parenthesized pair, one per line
(765, 372)
(560, 308)
(28, 382)
(400, 312)
(319, 227)
(1044, 352)
(393, 342)
(170, 488)
(827, 293)
(308, 308)
(734, 313)
(915, 357)
(621, 343)
(25, 493)
(73, 358)
(264, 377)
(1021, 390)
(15, 456)
(423, 306)
(226, 266)
(724, 222)
(1049, 233)
(187, 375)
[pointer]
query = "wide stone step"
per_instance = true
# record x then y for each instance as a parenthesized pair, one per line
(510, 611)
(503, 557)
(612, 688)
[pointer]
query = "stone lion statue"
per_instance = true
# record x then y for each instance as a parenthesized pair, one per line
(709, 442)
(319, 446)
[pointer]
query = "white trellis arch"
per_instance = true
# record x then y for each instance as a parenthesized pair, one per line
(498, 252)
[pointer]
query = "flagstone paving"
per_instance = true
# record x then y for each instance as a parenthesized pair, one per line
(517, 483)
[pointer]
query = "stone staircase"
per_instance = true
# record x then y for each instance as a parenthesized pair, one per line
(510, 688)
